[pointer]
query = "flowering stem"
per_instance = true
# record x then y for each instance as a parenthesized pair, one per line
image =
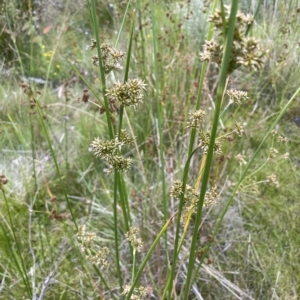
(190, 152)
(147, 257)
(243, 176)
(101, 68)
(179, 212)
(220, 91)
(121, 113)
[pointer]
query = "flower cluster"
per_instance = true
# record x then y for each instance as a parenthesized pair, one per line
(241, 159)
(245, 51)
(99, 257)
(212, 51)
(282, 139)
(110, 57)
(237, 97)
(28, 91)
(85, 239)
(286, 155)
(176, 191)
(191, 198)
(204, 138)
(129, 93)
(109, 151)
(87, 244)
(196, 118)
(272, 180)
(138, 294)
(211, 197)
(273, 152)
(239, 129)
(132, 236)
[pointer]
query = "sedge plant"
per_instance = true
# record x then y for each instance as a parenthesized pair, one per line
(174, 255)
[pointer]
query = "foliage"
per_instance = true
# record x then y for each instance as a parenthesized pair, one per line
(159, 162)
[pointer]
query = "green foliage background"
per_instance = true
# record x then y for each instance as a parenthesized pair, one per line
(256, 251)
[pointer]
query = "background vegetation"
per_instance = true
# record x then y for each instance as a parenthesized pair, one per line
(52, 183)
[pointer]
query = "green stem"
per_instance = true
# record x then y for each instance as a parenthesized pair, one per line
(190, 152)
(158, 80)
(180, 207)
(102, 73)
(116, 229)
(144, 262)
(220, 91)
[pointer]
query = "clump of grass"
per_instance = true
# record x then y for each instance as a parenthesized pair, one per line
(163, 186)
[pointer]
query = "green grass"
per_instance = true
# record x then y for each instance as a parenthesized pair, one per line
(246, 246)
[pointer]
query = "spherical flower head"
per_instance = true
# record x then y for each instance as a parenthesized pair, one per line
(138, 293)
(132, 236)
(105, 149)
(196, 118)
(176, 191)
(237, 97)
(204, 138)
(252, 56)
(100, 257)
(125, 138)
(245, 51)
(129, 93)
(211, 197)
(190, 199)
(110, 57)
(85, 238)
(212, 51)
(119, 163)
(110, 150)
